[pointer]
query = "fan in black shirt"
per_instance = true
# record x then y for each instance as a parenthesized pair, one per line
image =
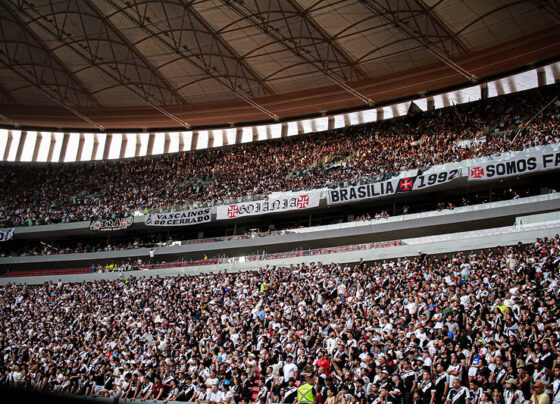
(427, 388)
(387, 397)
(441, 382)
(409, 382)
(458, 394)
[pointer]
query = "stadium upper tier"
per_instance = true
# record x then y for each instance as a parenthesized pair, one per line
(70, 192)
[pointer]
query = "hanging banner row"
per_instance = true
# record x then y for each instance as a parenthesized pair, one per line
(492, 170)
(273, 205)
(520, 166)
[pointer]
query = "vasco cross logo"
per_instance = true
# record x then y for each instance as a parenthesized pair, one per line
(405, 184)
(477, 172)
(232, 211)
(303, 201)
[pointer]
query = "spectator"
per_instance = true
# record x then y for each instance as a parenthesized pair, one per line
(152, 255)
(538, 395)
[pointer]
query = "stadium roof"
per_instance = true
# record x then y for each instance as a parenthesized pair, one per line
(173, 63)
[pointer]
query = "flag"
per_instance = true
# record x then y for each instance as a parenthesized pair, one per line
(414, 110)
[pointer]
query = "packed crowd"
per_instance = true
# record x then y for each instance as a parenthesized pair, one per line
(464, 328)
(71, 192)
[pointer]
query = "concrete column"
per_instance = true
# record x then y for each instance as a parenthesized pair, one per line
(431, 104)
(268, 132)
(37, 147)
(81, 141)
(331, 123)
(499, 87)
(225, 140)
(21, 145)
(151, 140)
(8, 145)
(284, 132)
(255, 134)
(50, 152)
(210, 139)
(181, 142)
(314, 125)
(541, 77)
(124, 145)
(484, 91)
(194, 140)
(107, 148)
(64, 148)
(380, 114)
(556, 72)
(138, 145)
(238, 135)
(95, 146)
(166, 143)
(299, 127)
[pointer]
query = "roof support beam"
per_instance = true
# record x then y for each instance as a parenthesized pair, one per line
(95, 146)
(81, 142)
(124, 144)
(249, 15)
(12, 122)
(401, 26)
(188, 57)
(64, 148)
(55, 98)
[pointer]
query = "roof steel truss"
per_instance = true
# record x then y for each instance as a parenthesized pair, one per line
(83, 29)
(25, 53)
(184, 27)
(86, 30)
(417, 21)
(291, 26)
(195, 57)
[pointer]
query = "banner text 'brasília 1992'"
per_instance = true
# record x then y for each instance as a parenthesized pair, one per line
(390, 187)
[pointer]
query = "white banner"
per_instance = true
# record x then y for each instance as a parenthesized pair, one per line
(283, 204)
(183, 218)
(519, 166)
(390, 187)
(6, 235)
(114, 224)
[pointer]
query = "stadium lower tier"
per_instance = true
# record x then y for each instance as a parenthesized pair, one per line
(480, 322)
